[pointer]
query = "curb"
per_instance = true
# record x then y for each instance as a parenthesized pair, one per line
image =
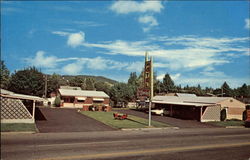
(235, 127)
(147, 129)
(6, 133)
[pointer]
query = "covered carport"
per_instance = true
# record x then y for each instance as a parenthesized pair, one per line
(13, 109)
(178, 108)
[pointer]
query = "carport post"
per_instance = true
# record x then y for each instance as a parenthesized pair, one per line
(201, 113)
(33, 110)
(171, 110)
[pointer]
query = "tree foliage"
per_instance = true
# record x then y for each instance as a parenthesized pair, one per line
(89, 84)
(77, 81)
(103, 86)
(29, 81)
(226, 90)
(57, 101)
(4, 75)
(121, 92)
(167, 84)
(54, 82)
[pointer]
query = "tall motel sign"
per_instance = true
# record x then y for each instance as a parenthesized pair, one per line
(146, 92)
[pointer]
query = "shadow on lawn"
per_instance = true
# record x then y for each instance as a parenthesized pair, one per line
(136, 121)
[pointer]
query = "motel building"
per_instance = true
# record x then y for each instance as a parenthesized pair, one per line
(203, 109)
(74, 97)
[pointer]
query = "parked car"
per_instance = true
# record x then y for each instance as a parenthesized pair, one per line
(161, 111)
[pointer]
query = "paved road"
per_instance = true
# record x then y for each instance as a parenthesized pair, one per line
(169, 120)
(160, 144)
(66, 120)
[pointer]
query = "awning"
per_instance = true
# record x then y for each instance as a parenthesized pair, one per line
(81, 98)
(98, 99)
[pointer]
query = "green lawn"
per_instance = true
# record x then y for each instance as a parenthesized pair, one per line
(132, 121)
(18, 127)
(228, 123)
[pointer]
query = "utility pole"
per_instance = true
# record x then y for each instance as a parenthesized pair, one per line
(221, 91)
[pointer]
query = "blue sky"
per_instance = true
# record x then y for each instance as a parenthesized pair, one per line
(199, 42)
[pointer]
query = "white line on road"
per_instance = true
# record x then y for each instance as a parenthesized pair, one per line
(147, 151)
(85, 143)
(235, 135)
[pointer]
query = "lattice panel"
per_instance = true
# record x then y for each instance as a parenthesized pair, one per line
(13, 109)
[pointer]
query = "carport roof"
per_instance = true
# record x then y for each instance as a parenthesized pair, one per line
(9, 94)
(188, 101)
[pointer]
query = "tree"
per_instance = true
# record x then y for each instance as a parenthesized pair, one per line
(167, 84)
(57, 101)
(4, 75)
(29, 81)
(77, 81)
(121, 92)
(133, 83)
(103, 86)
(90, 84)
(244, 90)
(226, 90)
(133, 79)
(54, 82)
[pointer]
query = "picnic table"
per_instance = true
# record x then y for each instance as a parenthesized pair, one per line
(120, 116)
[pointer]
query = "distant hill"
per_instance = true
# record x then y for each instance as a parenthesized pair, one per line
(96, 78)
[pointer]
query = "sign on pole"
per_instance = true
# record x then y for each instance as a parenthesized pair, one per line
(148, 83)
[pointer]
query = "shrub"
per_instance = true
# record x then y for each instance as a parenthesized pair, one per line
(244, 115)
(223, 114)
(57, 101)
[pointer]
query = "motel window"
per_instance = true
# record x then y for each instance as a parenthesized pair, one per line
(80, 101)
(68, 99)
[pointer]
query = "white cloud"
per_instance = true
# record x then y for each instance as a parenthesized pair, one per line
(73, 68)
(148, 7)
(61, 33)
(76, 39)
(174, 77)
(135, 66)
(160, 77)
(125, 7)
(150, 21)
(247, 23)
(214, 82)
(87, 23)
(97, 63)
(40, 60)
(194, 52)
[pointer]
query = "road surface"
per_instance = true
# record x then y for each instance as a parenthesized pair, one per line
(157, 144)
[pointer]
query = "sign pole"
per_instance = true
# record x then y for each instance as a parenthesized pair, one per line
(151, 90)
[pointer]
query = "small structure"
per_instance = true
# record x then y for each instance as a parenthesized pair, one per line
(13, 109)
(200, 108)
(71, 98)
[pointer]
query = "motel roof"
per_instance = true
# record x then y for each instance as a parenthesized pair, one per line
(188, 100)
(83, 93)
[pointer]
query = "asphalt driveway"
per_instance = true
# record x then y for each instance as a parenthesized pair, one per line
(169, 120)
(66, 120)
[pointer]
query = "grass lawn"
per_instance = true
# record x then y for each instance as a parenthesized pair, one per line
(132, 121)
(228, 123)
(18, 127)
